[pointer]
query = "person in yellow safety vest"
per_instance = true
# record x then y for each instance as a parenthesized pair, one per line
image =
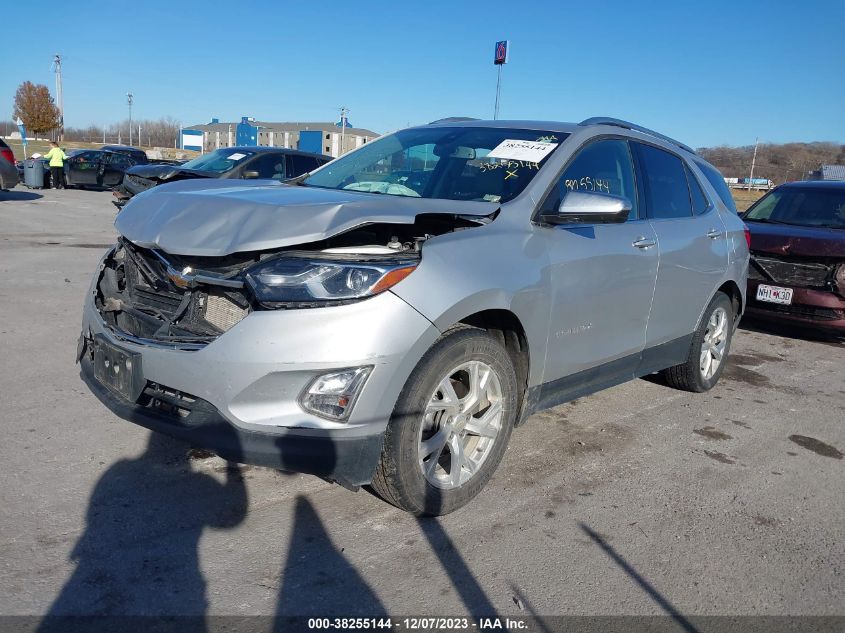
(57, 157)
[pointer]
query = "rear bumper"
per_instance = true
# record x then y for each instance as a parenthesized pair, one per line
(818, 309)
(347, 458)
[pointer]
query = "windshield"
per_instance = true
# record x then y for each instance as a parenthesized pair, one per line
(453, 163)
(801, 207)
(218, 161)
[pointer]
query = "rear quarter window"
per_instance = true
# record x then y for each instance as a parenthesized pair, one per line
(718, 183)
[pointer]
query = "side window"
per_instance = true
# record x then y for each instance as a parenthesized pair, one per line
(718, 183)
(301, 164)
(603, 166)
(120, 161)
(268, 166)
(87, 157)
(666, 191)
(699, 200)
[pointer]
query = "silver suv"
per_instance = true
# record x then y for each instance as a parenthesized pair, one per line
(391, 317)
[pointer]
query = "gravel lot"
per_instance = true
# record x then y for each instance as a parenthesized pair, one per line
(637, 500)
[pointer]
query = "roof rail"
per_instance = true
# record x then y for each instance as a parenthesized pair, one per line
(605, 120)
(454, 119)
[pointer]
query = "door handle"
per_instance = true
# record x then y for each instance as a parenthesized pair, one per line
(713, 234)
(643, 242)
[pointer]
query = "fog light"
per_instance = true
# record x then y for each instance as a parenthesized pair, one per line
(333, 395)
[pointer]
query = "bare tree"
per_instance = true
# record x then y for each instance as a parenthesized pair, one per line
(778, 162)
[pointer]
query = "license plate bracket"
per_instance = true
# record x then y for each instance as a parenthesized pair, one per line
(774, 294)
(118, 369)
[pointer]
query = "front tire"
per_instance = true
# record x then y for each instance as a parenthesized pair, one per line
(451, 425)
(709, 349)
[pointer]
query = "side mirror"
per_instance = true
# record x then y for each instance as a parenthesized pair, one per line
(250, 174)
(589, 207)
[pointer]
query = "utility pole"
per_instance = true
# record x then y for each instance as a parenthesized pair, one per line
(57, 61)
(129, 99)
(343, 112)
(753, 160)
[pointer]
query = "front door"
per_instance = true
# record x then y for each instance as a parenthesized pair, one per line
(602, 278)
(83, 168)
(693, 245)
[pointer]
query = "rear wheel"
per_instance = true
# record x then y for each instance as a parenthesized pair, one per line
(451, 425)
(709, 349)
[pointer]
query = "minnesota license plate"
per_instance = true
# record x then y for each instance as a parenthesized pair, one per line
(774, 294)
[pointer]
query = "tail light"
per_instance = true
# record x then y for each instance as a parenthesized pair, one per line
(6, 153)
(747, 236)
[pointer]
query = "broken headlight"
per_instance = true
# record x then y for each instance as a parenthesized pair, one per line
(299, 280)
(839, 278)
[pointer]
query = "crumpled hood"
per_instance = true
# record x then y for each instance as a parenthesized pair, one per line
(786, 239)
(161, 172)
(221, 217)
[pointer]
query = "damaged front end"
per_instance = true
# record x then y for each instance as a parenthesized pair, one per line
(816, 288)
(151, 297)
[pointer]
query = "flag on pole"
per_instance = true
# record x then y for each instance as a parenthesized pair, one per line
(22, 130)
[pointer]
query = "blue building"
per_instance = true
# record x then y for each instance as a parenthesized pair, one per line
(322, 137)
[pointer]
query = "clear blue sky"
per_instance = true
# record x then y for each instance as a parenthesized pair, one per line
(708, 72)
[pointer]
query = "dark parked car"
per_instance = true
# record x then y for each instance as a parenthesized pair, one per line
(105, 167)
(797, 268)
(8, 177)
(20, 165)
(231, 162)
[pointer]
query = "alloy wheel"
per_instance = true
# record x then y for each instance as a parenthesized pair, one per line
(460, 424)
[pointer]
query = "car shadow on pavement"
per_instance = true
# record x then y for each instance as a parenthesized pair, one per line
(19, 196)
(138, 554)
(644, 584)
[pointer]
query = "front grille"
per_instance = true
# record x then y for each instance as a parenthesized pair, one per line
(137, 298)
(790, 272)
(140, 182)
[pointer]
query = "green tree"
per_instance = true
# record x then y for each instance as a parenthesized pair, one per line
(35, 106)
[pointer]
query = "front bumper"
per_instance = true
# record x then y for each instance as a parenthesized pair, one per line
(247, 383)
(349, 459)
(818, 309)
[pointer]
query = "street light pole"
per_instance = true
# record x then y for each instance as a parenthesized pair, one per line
(343, 112)
(57, 60)
(129, 100)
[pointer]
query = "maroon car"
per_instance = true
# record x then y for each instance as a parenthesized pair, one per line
(797, 268)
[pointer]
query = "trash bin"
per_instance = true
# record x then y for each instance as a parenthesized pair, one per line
(33, 173)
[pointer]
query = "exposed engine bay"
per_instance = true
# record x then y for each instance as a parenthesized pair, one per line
(149, 296)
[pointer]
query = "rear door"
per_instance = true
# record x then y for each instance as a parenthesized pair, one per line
(602, 276)
(692, 241)
(113, 166)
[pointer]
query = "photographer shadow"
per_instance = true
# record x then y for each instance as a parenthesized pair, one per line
(139, 554)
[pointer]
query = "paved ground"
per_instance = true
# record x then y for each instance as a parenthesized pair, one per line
(637, 500)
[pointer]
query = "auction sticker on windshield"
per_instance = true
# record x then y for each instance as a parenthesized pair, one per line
(774, 294)
(235, 156)
(531, 151)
